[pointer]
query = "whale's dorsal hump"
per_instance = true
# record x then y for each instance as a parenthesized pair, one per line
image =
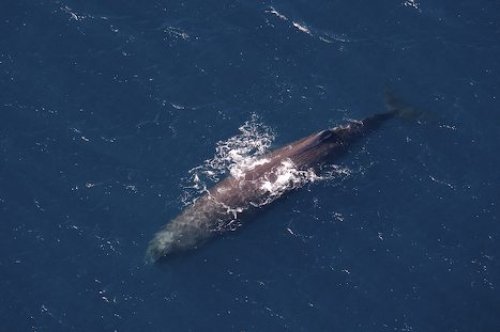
(325, 135)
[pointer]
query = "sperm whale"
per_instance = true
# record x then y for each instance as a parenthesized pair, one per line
(223, 205)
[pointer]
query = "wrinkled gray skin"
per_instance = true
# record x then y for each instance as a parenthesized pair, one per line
(222, 206)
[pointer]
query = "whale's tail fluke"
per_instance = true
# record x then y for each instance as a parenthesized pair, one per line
(399, 108)
(395, 109)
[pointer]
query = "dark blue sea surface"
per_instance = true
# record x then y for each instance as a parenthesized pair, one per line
(105, 106)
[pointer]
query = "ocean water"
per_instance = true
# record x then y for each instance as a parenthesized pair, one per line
(108, 107)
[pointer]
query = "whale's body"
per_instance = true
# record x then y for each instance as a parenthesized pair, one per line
(222, 206)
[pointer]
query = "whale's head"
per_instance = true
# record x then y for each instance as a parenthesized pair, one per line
(183, 233)
(161, 245)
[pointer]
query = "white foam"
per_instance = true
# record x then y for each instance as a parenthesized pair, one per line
(235, 156)
(285, 178)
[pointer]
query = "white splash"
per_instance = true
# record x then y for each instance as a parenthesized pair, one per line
(235, 156)
(285, 178)
(239, 153)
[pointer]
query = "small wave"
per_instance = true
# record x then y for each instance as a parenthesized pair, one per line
(301, 26)
(273, 11)
(175, 32)
(412, 4)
